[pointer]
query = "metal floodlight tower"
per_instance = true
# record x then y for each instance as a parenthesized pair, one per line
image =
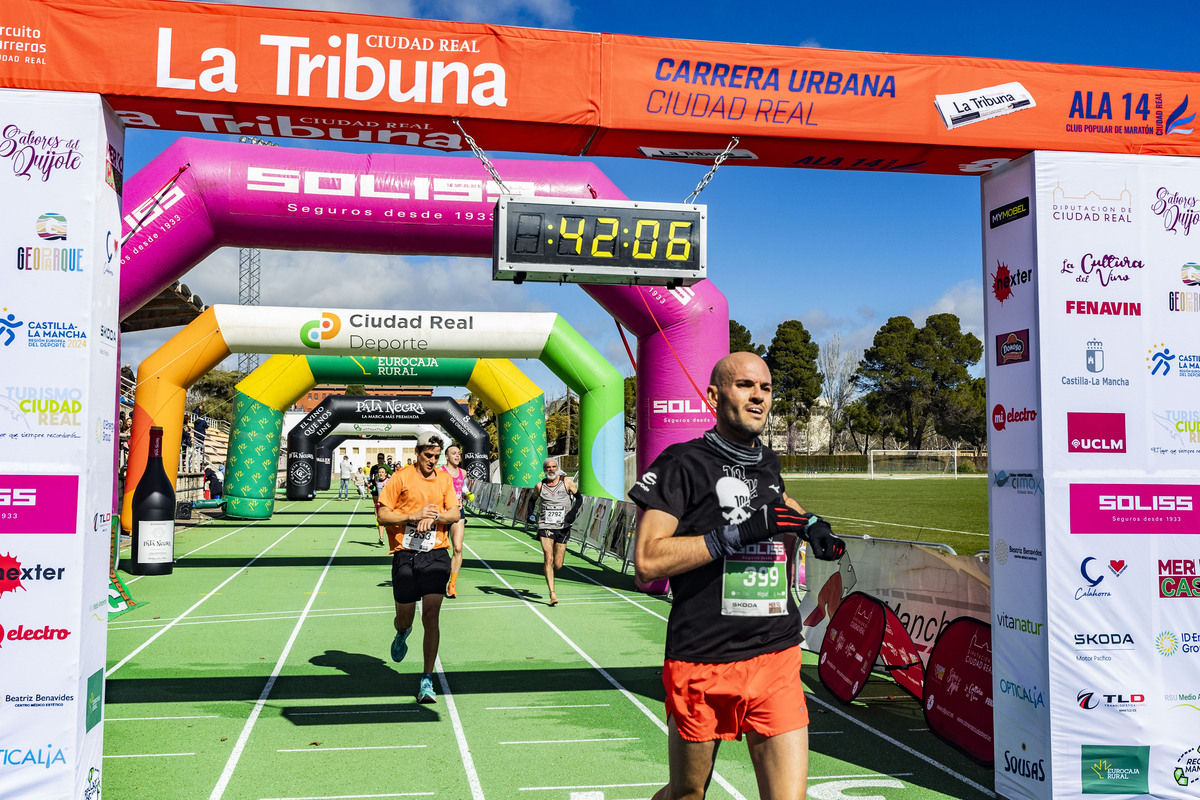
(249, 268)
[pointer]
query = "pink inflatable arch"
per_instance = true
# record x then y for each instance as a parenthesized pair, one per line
(200, 195)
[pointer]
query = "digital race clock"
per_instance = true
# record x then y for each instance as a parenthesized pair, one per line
(599, 241)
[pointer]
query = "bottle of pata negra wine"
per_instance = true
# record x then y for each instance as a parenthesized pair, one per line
(153, 543)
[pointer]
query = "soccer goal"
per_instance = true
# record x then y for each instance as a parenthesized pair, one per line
(905, 463)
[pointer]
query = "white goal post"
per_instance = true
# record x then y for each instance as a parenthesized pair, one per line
(912, 462)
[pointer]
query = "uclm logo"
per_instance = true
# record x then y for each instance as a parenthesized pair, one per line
(1089, 432)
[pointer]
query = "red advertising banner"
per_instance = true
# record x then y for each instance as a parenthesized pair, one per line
(38, 503)
(851, 646)
(958, 688)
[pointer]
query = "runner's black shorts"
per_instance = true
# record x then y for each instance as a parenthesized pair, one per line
(559, 535)
(416, 574)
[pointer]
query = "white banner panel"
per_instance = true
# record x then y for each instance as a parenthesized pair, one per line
(60, 176)
(355, 332)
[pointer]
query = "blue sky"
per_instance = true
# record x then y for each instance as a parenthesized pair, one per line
(861, 247)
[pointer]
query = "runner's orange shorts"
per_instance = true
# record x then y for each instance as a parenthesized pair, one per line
(723, 701)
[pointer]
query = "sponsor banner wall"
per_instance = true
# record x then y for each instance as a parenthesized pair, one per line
(1016, 485)
(1118, 245)
(60, 173)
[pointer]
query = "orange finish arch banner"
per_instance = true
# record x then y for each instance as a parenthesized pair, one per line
(322, 75)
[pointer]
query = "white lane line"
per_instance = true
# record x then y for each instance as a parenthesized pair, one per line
(235, 756)
(522, 708)
(900, 525)
(198, 603)
(824, 733)
(143, 719)
(579, 741)
(352, 796)
(662, 726)
(459, 734)
(153, 755)
(345, 713)
(915, 753)
(338, 749)
(592, 786)
(812, 778)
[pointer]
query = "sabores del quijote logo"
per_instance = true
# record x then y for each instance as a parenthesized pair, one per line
(33, 154)
(1179, 212)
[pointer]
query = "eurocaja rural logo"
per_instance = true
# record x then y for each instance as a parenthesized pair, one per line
(314, 332)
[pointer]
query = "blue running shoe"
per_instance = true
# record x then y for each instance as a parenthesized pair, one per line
(426, 695)
(400, 645)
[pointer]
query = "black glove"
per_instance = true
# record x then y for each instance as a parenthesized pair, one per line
(825, 545)
(573, 511)
(762, 524)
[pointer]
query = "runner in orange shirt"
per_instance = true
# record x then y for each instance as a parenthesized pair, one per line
(417, 506)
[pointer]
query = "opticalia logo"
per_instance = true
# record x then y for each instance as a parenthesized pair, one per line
(1025, 767)
(1003, 280)
(45, 757)
(1019, 482)
(1179, 212)
(13, 574)
(1106, 268)
(1032, 695)
(52, 227)
(1177, 577)
(1090, 700)
(23, 634)
(1115, 769)
(1012, 348)
(1104, 309)
(1002, 418)
(320, 330)
(1090, 432)
(1093, 576)
(1011, 212)
(1161, 361)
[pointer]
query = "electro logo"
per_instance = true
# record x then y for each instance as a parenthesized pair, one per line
(1095, 432)
(1001, 418)
(1003, 280)
(23, 634)
(1012, 348)
(52, 227)
(320, 330)
(1177, 577)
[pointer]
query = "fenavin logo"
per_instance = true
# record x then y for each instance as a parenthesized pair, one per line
(52, 227)
(313, 332)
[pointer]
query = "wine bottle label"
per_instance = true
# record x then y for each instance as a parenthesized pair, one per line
(156, 542)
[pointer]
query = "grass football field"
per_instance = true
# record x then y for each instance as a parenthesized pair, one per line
(259, 669)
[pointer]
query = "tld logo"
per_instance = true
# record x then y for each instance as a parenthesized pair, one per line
(1090, 700)
(1001, 418)
(1090, 432)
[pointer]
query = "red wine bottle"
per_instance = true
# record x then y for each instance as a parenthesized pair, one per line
(153, 542)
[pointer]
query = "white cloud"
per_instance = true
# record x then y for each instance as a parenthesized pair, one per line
(964, 299)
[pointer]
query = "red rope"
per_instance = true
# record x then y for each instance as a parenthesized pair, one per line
(686, 374)
(621, 331)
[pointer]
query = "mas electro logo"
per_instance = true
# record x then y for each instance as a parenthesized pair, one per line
(8, 327)
(1012, 348)
(1186, 300)
(1012, 212)
(1178, 577)
(1079, 204)
(1102, 269)
(1090, 700)
(1004, 280)
(1094, 573)
(1178, 212)
(1002, 418)
(1092, 432)
(52, 227)
(1114, 769)
(1162, 362)
(314, 332)
(14, 576)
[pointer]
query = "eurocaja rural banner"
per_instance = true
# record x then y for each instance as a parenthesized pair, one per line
(1098, 438)
(275, 72)
(60, 177)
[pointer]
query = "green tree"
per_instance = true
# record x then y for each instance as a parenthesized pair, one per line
(792, 358)
(915, 372)
(740, 340)
(630, 411)
(964, 415)
(355, 389)
(216, 390)
(559, 414)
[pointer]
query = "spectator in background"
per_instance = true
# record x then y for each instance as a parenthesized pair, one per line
(124, 429)
(345, 472)
(379, 462)
(199, 429)
(213, 482)
(185, 443)
(360, 481)
(378, 479)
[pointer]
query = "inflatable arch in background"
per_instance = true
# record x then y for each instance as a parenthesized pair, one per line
(336, 409)
(263, 396)
(198, 196)
(345, 433)
(164, 376)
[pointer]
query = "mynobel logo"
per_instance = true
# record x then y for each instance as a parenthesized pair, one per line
(1009, 213)
(314, 332)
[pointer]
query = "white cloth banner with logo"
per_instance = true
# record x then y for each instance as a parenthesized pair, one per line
(60, 178)
(1097, 255)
